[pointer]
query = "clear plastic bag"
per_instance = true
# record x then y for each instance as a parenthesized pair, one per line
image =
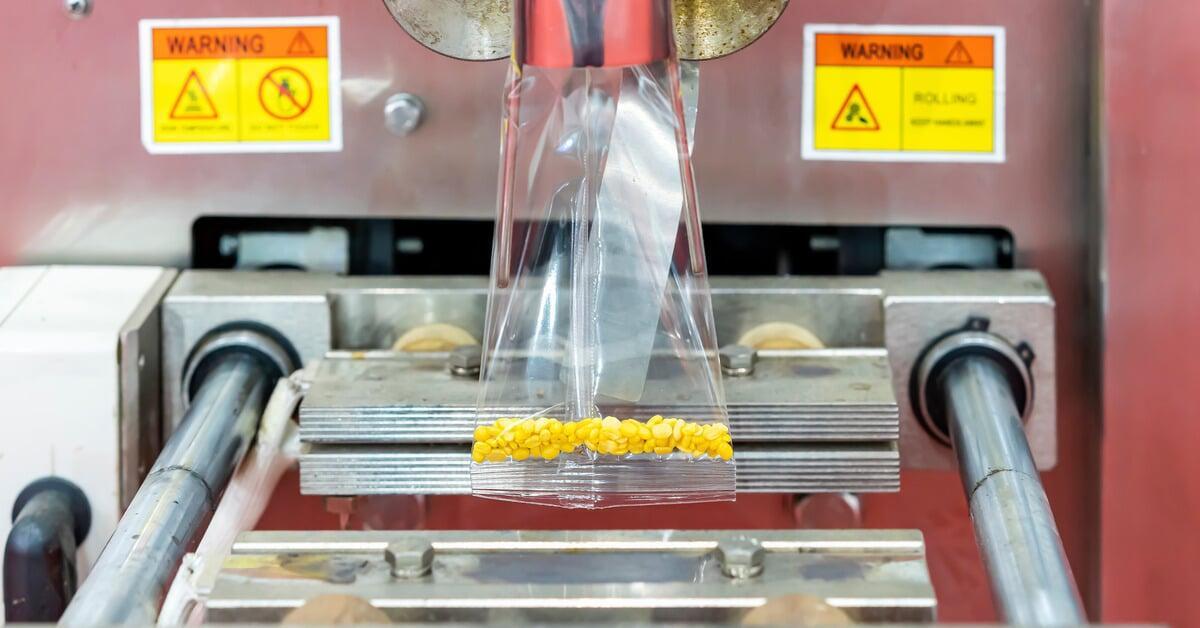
(600, 384)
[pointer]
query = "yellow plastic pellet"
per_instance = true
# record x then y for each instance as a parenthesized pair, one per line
(547, 438)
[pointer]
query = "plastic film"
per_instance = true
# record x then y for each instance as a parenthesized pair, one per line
(600, 383)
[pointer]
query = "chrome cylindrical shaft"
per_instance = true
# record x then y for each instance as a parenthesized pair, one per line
(171, 509)
(1014, 527)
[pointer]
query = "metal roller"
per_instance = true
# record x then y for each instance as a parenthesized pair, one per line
(975, 386)
(171, 510)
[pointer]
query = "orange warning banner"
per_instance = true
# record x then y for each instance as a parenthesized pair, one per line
(940, 51)
(240, 43)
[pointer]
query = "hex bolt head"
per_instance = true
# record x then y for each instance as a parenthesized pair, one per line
(409, 559)
(343, 570)
(465, 361)
(78, 8)
(741, 558)
(737, 360)
(403, 113)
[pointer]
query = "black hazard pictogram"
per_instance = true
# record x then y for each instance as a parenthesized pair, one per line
(959, 55)
(285, 93)
(193, 101)
(300, 45)
(855, 113)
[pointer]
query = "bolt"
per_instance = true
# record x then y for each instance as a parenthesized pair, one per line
(1026, 353)
(343, 570)
(409, 559)
(978, 323)
(402, 113)
(78, 8)
(741, 557)
(737, 360)
(465, 361)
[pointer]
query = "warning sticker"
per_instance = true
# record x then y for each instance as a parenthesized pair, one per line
(241, 85)
(904, 93)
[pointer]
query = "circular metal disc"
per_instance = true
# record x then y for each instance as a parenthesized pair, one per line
(472, 30)
(481, 30)
(707, 29)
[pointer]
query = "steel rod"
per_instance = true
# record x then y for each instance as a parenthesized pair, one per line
(1014, 527)
(171, 509)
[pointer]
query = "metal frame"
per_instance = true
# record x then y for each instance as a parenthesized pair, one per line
(897, 312)
(638, 576)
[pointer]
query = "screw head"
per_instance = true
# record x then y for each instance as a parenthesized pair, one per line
(741, 558)
(78, 8)
(410, 558)
(465, 361)
(403, 113)
(737, 360)
(343, 570)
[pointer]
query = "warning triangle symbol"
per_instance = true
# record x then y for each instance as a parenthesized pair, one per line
(959, 55)
(300, 45)
(855, 114)
(193, 102)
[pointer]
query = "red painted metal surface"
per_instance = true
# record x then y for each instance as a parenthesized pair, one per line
(79, 187)
(1151, 473)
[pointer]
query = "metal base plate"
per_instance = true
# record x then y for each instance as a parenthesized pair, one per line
(577, 576)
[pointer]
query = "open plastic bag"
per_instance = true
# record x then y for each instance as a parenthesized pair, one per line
(600, 384)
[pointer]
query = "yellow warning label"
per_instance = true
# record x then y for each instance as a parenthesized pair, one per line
(902, 93)
(251, 85)
(859, 111)
(856, 114)
(193, 101)
(288, 100)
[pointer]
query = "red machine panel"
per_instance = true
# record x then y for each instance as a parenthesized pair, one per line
(1151, 474)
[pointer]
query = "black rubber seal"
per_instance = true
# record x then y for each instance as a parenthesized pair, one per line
(934, 418)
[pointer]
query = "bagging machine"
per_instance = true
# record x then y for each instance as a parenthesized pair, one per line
(244, 317)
